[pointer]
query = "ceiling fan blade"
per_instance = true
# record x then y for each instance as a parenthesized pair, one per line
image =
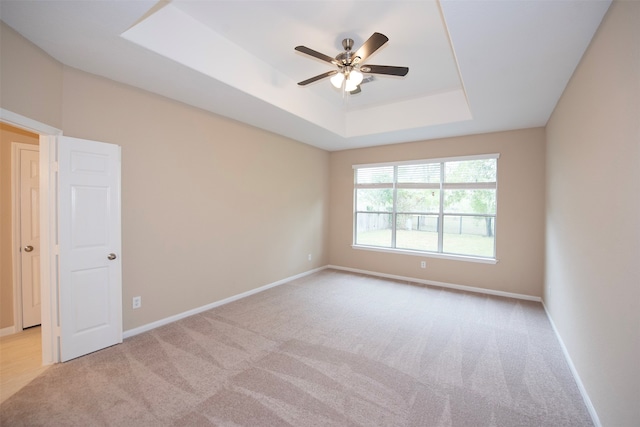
(318, 77)
(356, 90)
(374, 43)
(316, 54)
(385, 69)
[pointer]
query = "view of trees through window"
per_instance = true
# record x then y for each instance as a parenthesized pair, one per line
(446, 206)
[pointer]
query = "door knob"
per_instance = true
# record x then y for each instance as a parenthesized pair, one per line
(28, 248)
(111, 256)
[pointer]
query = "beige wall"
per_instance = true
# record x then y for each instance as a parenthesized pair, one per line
(520, 217)
(210, 207)
(592, 288)
(30, 80)
(8, 135)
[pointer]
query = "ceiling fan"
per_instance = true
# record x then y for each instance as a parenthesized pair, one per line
(351, 66)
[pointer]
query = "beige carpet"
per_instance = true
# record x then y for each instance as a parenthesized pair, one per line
(329, 349)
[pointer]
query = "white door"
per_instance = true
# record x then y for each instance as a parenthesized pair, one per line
(89, 246)
(30, 235)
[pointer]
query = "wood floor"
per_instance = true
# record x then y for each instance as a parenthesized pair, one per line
(20, 361)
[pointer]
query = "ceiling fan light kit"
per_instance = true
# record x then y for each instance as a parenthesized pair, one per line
(351, 79)
(349, 74)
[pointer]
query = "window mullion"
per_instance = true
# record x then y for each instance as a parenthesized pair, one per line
(441, 212)
(395, 207)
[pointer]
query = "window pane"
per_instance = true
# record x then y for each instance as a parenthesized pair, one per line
(470, 201)
(471, 171)
(375, 175)
(373, 229)
(417, 232)
(418, 200)
(374, 199)
(469, 235)
(425, 173)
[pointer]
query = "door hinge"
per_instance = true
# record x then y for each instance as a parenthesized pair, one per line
(54, 166)
(56, 249)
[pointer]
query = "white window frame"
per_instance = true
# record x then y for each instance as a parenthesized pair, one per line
(440, 186)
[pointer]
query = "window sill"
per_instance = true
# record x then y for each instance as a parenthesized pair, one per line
(427, 254)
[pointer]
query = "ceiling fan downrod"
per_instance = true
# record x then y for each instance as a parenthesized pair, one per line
(345, 57)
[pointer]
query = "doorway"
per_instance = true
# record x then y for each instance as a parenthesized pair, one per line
(21, 340)
(43, 134)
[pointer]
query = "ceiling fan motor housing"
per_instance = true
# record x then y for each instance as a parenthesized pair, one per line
(345, 57)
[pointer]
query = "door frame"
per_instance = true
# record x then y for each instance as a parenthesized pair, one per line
(50, 328)
(16, 217)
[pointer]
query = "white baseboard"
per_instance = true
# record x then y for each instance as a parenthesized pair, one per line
(9, 330)
(574, 372)
(441, 284)
(171, 319)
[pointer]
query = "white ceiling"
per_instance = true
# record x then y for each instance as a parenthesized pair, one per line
(474, 66)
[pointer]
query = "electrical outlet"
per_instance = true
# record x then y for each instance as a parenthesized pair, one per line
(137, 302)
(309, 257)
(423, 264)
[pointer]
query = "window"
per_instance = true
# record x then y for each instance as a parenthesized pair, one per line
(442, 206)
